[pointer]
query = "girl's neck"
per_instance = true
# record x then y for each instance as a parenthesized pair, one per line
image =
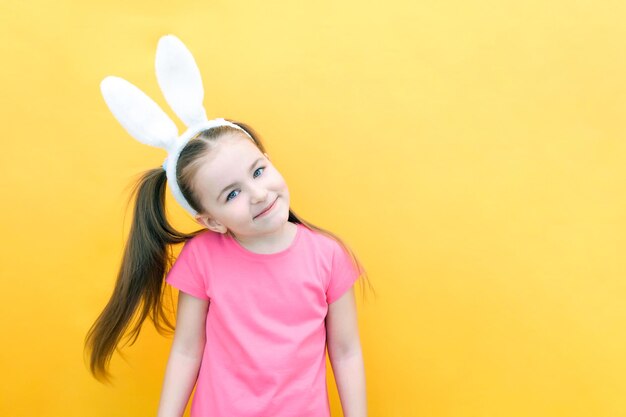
(270, 243)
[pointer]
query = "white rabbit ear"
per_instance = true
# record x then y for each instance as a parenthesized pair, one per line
(138, 113)
(179, 79)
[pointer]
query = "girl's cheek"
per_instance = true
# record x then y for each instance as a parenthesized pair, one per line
(278, 179)
(241, 203)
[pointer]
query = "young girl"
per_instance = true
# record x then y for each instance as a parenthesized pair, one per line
(261, 291)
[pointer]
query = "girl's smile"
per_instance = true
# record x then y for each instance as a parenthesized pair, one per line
(267, 210)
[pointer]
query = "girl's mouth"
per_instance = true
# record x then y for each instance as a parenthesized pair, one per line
(267, 209)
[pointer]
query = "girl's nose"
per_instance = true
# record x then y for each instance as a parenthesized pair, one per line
(259, 194)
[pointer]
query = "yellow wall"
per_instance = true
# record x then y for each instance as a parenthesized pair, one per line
(473, 154)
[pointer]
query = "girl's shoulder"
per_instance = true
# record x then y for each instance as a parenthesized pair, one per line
(321, 242)
(202, 241)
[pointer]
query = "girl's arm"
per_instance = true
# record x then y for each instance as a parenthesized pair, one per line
(185, 355)
(344, 351)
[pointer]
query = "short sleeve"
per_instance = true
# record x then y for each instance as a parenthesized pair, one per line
(343, 274)
(185, 274)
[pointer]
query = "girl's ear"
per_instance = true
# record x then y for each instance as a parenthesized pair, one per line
(210, 223)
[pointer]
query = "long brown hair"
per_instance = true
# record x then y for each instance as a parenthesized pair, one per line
(139, 290)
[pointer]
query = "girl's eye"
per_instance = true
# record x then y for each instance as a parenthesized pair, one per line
(263, 168)
(228, 196)
(231, 193)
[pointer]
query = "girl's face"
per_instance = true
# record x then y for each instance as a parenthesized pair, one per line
(236, 184)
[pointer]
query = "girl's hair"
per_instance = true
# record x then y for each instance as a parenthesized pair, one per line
(147, 257)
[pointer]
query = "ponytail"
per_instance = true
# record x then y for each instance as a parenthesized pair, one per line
(139, 287)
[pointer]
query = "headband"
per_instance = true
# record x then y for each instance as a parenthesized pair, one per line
(179, 79)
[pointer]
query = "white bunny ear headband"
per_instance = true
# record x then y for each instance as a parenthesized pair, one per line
(179, 79)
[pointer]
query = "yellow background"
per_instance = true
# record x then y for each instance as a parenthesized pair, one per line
(472, 153)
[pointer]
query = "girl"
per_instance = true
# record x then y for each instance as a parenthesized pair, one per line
(261, 291)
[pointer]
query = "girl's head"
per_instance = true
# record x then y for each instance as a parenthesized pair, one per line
(228, 178)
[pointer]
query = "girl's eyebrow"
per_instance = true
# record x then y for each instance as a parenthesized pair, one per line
(235, 183)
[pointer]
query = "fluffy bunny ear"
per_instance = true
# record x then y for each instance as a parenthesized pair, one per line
(179, 79)
(138, 113)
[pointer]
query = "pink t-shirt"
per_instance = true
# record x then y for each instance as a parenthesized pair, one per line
(265, 330)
